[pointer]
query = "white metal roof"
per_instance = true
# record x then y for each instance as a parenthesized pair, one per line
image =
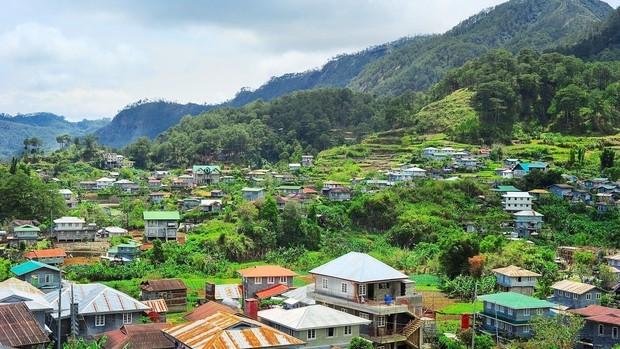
(358, 267)
(517, 194)
(529, 213)
(69, 220)
(313, 316)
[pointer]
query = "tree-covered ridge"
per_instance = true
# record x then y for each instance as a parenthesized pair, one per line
(522, 95)
(512, 25)
(601, 42)
(283, 129)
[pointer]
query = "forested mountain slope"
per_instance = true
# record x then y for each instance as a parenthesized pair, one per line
(601, 43)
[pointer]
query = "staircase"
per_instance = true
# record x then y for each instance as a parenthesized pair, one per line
(410, 329)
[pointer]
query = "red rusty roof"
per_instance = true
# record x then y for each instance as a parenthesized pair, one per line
(266, 270)
(157, 305)
(594, 310)
(227, 331)
(52, 252)
(142, 336)
(19, 327)
(208, 309)
(162, 285)
(271, 291)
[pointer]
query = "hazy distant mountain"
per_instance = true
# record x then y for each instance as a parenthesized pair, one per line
(44, 126)
(145, 119)
(601, 43)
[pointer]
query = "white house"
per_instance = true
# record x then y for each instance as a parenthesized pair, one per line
(517, 201)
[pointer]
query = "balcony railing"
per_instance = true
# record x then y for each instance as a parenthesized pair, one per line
(399, 304)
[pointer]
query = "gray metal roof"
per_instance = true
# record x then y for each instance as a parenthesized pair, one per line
(313, 316)
(300, 294)
(358, 267)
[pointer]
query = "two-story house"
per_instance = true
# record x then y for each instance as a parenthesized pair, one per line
(24, 234)
(339, 194)
(560, 190)
(161, 225)
(602, 327)
(52, 256)
(74, 229)
(98, 309)
(361, 285)
(527, 223)
(575, 295)
(20, 329)
(206, 174)
(253, 194)
(517, 201)
(265, 281)
(123, 253)
(104, 183)
(516, 279)
(318, 325)
(307, 160)
(508, 314)
(42, 276)
(174, 291)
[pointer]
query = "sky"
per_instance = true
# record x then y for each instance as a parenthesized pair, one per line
(87, 59)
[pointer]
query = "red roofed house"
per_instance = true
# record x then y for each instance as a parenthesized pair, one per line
(173, 291)
(602, 327)
(265, 281)
(158, 310)
(52, 256)
(208, 309)
(142, 336)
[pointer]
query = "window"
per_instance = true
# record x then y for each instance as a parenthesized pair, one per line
(271, 280)
(364, 316)
(258, 280)
(383, 285)
(598, 296)
(344, 310)
(361, 289)
(560, 293)
(489, 305)
(380, 347)
(501, 308)
(527, 329)
(127, 318)
(539, 311)
(283, 280)
(588, 296)
(489, 321)
(519, 279)
(324, 283)
(509, 311)
(574, 296)
(99, 320)
(343, 287)
(311, 334)
(601, 330)
(330, 332)
(49, 278)
(614, 332)
(348, 331)
(526, 312)
(381, 321)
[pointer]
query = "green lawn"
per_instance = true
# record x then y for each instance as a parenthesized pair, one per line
(460, 308)
(425, 282)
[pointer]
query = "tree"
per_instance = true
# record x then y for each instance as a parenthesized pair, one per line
(607, 158)
(360, 343)
(157, 253)
(139, 151)
(560, 331)
(64, 141)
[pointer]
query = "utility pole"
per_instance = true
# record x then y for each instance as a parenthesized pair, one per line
(473, 321)
(58, 344)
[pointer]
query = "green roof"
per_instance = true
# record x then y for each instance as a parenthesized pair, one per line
(253, 189)
(289, 187)
(31, 266)
(210, 168)
(161, 215)
(506, 188)
(26, 227)
(515, 300)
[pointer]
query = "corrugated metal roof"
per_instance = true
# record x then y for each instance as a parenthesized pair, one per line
(313, 316)
(19, 285)
(528, 213)
(161, 215)
(19, 327)
(30, 266)
(208, 309)
(572, 286)
(358, 267)
(34, 301)
(232, 291)
(223, 330)
(266, 270)
(301, 294)
(163, 285)
(142, 336)
(515, 300)
(157, 305)
(593, 310)
(514, 271)
(271, 291)
(51, 252)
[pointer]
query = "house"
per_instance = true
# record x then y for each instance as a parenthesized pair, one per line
(104, 183)
(230, 331)
(318, 325)
(173, 291)
(161, 225)
(99, 309)
(516, 279)
(13, 292)
(219, 293)
(159, 174)
(253, 194)
(523, 168)
(206, 174)
(113, 160)
(217, 193)
(126, 185)
(517, 201)
(156, 197)
(140, 336)
(507, 314)
(363, 286)
(265, 281)
(110, 232)
(504, 189)
(560, 190)
(189, 203)
(20, 329)
(307, 160)
(575, 295)
(289, 189)
(377, 183)
(74, 229)
(66, 193)
(579, 195)
(429, 152)
(42, 276)
(211, 205)
(339, 194)
(468, 163)
(613, 260)
(159, 309)
(24, 234)
(528, 223)
(123, 253)
(415, 172)
(595, 182)
(511, 162)
(51, 256)
(88, 185)
(601, 328)
(294, 167)
(208, 309)
(228, 179)
(154, 183)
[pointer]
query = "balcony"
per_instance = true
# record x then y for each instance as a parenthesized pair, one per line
(402, 304)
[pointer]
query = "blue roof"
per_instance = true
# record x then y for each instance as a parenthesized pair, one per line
(31, 266)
